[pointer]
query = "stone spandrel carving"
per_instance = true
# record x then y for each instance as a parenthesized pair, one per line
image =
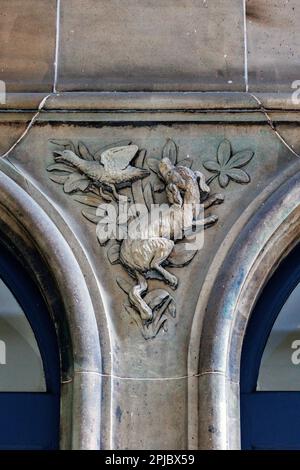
(111, 170)
(147, 239)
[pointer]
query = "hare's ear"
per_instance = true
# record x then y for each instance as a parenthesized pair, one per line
(173, 194)
(201, 181)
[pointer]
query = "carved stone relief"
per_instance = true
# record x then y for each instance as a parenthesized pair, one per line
(228, 166)
(148, 211)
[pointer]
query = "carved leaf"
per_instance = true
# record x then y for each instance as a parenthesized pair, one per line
(187, 162)
(153, 165)
(211, 165)
(97, 155)
(91, 216)
(66, 144)
(76, 182)
(148, 330)
(240, 159)
(240, 176)
(162, 324)
(224, 152)
(155, 298)
(140, 159)
(124, 285)
(159, 301)
(113, 254)
(170, 151)
(148, 196)
(100, 211)
(137, 192)
(228, 167)
(60, 179)
(223, 180)
(61, 167)
(102, 238)
(88, 200)
(180, 256)
(160, 315)
(84, 151)
(171, 310)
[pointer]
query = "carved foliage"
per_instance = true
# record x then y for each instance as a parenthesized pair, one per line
(97, 177)
(227, 166)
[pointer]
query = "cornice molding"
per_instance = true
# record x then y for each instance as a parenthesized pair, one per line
(147, 101)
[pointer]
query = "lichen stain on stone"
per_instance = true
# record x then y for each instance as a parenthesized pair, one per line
(119, 413)
(212, 429)
(261, 12)
(255, 11)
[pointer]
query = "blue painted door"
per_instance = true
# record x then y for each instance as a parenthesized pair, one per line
(270, 420)
(30, 419)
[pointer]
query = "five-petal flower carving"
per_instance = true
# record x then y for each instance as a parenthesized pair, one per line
(228, 166)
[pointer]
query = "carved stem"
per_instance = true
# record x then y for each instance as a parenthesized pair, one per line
(210, 180)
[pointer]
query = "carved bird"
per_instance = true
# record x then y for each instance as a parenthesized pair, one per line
(113, 171)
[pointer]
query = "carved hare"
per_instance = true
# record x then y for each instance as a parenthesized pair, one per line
(144, 257)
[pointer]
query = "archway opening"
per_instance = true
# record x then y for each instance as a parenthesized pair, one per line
(29, 362)
(270, 379)
(35, 240)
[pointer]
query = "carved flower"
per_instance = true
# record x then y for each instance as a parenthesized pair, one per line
(228, 166)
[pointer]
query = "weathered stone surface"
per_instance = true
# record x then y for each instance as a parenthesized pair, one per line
(27, 37)
(80, 353)
(273, 44)
(149, 382)
(153, 422)
(179, 387)
(257, 249)
(10, 133)
(147, 45)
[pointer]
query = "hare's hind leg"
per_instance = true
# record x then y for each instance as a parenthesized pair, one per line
(135, 297)
(160, 255)
(168, 277)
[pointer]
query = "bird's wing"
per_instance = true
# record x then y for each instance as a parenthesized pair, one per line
(118, 158)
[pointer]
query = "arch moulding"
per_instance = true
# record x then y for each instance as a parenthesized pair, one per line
(50, 260)
(262, 243)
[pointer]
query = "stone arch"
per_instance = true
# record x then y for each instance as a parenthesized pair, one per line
(268, 236)
(26, 227)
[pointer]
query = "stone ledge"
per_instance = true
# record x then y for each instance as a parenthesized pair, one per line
(148, 101)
